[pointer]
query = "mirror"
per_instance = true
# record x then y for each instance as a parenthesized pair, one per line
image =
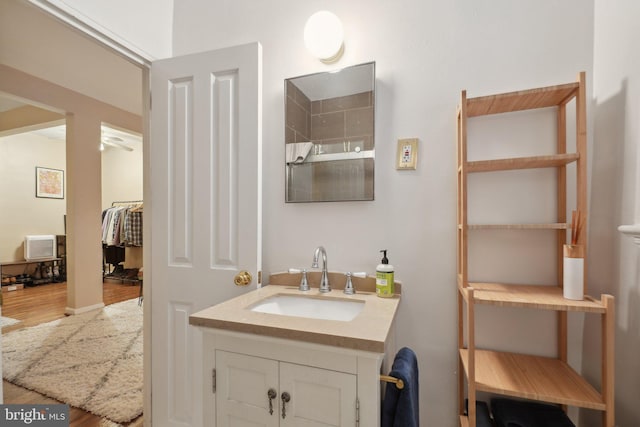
(329, 135)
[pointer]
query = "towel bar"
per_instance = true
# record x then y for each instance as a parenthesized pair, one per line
(397, 381)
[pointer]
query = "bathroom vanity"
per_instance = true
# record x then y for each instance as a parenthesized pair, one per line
(293, 370)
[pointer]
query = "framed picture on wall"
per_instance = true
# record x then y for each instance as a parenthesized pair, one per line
(49, 183)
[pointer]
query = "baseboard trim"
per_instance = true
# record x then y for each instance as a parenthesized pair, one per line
(69, 310)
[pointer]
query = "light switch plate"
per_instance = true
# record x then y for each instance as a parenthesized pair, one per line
(407, 154)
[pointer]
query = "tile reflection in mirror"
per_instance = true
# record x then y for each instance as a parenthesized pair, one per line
(329, 135)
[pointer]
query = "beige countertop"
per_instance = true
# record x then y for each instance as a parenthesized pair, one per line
(368, 331)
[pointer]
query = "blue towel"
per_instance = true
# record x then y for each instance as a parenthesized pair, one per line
(400, 407)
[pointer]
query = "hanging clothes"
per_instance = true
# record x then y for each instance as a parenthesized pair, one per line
(133, 228)
(122, 226)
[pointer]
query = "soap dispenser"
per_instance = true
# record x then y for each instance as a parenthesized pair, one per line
(384, 277)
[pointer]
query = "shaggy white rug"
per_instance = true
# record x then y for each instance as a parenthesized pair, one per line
(7, 321)
(91, 360)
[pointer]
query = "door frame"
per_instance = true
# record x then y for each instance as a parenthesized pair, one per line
(148, 245)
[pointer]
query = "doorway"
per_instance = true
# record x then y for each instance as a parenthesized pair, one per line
(44, 145)
(88, 84)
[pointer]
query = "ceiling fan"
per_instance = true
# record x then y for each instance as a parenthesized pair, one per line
(114, 141)
(109, 137)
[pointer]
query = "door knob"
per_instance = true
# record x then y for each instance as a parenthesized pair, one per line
(243, 278)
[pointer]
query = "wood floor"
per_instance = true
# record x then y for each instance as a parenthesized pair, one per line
(44, 303)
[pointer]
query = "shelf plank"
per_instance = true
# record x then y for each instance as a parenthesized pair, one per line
(531, 296)
(549, 226)
(532, 377)
(23, 262)
(521, 100)
(518, 163)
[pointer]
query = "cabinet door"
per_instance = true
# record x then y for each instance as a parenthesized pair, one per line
(318, 397)
(242, 386)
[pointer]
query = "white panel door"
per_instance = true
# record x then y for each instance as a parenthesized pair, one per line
(317, 397)
(205, 157)
(243, 384)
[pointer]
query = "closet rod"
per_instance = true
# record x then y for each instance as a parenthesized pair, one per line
(127, 202)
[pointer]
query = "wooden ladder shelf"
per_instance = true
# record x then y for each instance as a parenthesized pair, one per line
(547, 379)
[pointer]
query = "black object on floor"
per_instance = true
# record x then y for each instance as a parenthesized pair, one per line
(517, 413)
(483, 419)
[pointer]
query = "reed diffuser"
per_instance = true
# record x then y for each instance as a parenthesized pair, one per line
(576, 226)
(573, 261)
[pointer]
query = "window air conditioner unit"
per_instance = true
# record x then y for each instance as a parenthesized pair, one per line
(39, 247)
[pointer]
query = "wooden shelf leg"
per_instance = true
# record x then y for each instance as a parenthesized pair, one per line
(461, 408)
(471, 374)
(608, 360)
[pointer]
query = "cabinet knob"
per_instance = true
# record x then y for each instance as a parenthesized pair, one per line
(271, 394)
(286, 397)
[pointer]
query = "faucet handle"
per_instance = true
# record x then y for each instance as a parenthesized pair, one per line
(348, 287)
(304, 283)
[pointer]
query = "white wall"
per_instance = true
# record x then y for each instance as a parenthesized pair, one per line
(121, 174)
(425, 53)
(38, 44)
(616, 196)
(21, 212)
(126, 22)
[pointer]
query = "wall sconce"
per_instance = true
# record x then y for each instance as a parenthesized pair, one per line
(323, 36)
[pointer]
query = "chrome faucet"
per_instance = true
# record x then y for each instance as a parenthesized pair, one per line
(324, 281)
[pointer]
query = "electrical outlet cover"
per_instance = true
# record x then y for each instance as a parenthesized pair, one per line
(407, 154)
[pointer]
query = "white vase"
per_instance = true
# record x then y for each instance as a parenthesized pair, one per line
(573, 272)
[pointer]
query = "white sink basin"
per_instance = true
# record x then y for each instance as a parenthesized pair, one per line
(310, 307)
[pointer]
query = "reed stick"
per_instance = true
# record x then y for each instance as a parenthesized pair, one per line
(576, 226)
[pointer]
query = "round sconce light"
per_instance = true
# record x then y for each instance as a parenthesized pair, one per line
(323, 36)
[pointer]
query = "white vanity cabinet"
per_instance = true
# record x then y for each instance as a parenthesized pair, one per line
(325, 385)
(241, 392)
(267, 392)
